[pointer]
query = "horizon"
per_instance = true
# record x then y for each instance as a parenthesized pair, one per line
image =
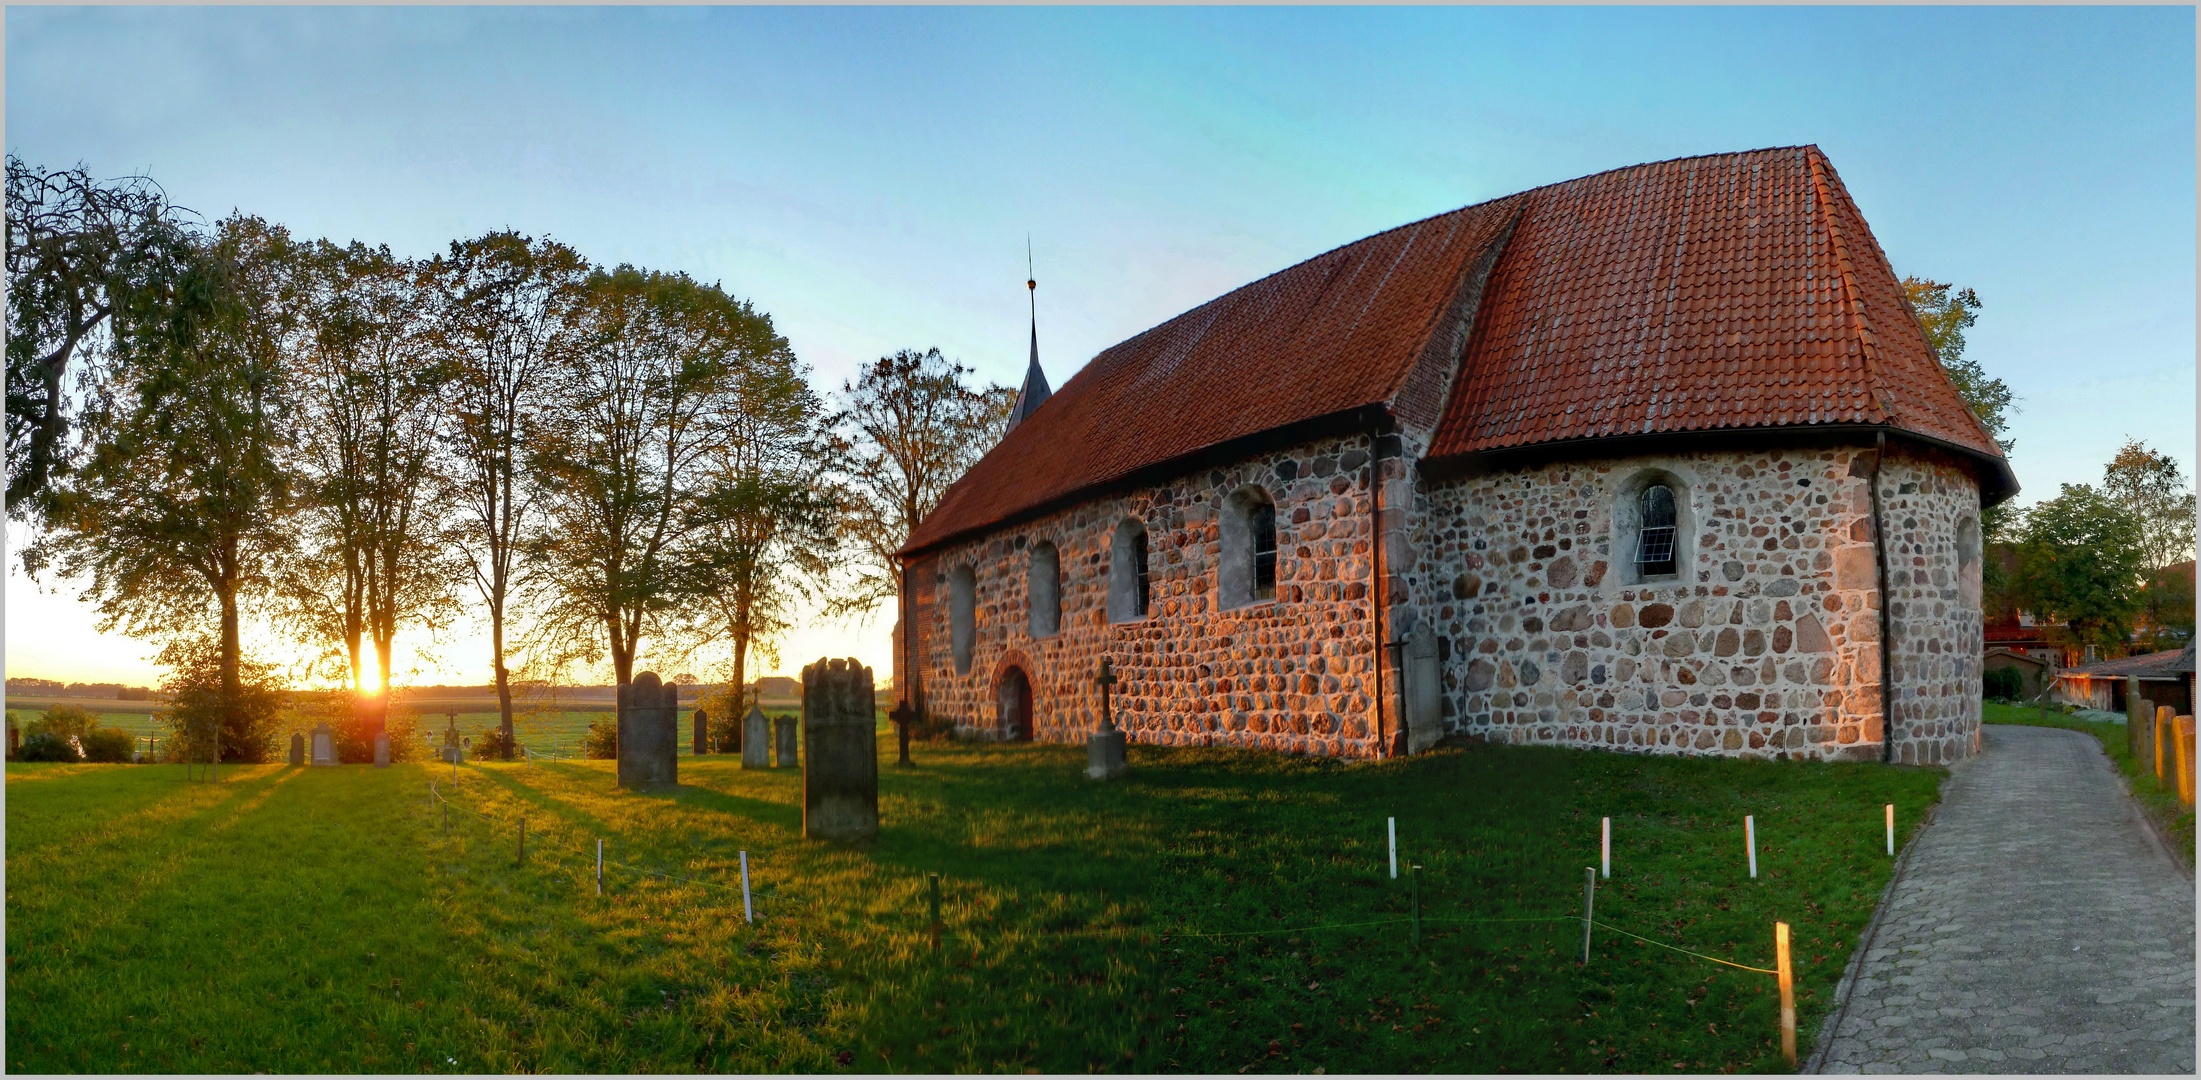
(868, 177)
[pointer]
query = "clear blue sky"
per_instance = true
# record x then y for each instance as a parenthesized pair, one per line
(868, 176)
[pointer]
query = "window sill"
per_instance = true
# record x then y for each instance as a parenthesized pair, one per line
(1251, 606)
(1131, 622)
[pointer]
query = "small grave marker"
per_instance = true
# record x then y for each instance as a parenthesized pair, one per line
(1104, 748)
(785, 744)
(297, 748)
(324, 745)
(756, 739)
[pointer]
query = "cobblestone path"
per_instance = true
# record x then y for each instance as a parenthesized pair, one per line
(2037, 929)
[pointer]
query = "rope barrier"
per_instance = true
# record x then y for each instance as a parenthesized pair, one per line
(1685, 952)
(437, 793)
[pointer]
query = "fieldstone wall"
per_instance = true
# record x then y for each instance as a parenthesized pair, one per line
(1295, 674)
(1765, 644)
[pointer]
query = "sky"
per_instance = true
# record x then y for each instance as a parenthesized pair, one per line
(870, 177)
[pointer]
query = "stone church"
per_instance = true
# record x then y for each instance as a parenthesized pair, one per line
(1657, 460)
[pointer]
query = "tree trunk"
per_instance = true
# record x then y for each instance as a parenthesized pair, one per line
(232, 654)
(384, 645)
(504, 679)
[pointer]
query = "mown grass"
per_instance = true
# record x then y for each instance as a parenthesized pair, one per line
(2159, 800)
(326, 920)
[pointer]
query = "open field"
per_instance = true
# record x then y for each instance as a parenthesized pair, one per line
(2174, 818)
(1221, 910)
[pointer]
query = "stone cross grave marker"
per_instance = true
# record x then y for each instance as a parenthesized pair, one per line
(902, 715)
(702, 732)
(297, 748)
(787, 733)
(756, 739)
(324, 745)
(451, 748)
(840, 752)
(649, 732)
(1424, 688)
(1104, 747)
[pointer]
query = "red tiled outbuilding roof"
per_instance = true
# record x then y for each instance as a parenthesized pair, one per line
(1727, 292)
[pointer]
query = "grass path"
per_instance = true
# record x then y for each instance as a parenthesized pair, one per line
(326, 920)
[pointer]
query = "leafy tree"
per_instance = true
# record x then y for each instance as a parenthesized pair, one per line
(2079, 564)
(2154, 489)
(1945, 312)
(505, 319)
(764, 530)
(635, 412)
(64, 722)
(373, 394)
(87, 261)
(909, 428)
(181, 508)
(2166, 607)
(214, 695)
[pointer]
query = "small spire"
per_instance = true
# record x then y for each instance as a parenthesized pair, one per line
(1035, 381)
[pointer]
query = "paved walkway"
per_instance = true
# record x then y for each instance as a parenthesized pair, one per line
(2036, 929)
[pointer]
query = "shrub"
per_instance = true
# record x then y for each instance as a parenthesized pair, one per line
(65, 721)
(2002, 684)
(47, 746)
(489, 745)
(198, 709)
(109, 745)
(602, 740)
(724, 733)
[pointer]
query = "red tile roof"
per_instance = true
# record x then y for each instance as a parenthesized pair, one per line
(1725, 292)
(1731, 291)
(1341, 331)
(2168, 664)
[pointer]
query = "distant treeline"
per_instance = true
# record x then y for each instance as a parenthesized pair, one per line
(56, 688)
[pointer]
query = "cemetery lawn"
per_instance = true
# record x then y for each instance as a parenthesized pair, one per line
(325, 920)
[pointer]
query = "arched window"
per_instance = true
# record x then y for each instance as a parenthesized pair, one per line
(1043, 590)
(1654, 543)
(962, 616)
(1651, 529)
(1247, 572)
(1968, 583)
(1127, 577)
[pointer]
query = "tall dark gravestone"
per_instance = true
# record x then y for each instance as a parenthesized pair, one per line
(649, 732)
(789, 733)
(840, 752)
(756, 739)
(297, 748)
(702, 733)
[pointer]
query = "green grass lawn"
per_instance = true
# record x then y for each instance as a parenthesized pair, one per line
(2161, 801)
(1199, 917)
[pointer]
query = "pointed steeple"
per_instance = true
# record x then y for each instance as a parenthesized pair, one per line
(1035, 388)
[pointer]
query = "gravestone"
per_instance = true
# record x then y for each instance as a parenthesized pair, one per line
(381, 749)
(452, 752)
(1423, 684)
(788, 735)
(297, 748)
(702, 732)
(756, 739)
(649, 732)
(1104, 747)
(840, 752)
(324, 745)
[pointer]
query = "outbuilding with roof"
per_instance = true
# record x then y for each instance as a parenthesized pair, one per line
(1657, 459)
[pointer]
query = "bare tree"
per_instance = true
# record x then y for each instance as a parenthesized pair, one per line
(506, 308)
(910, 428)
(79, 250)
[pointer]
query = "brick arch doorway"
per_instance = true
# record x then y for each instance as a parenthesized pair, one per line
(1013, 703)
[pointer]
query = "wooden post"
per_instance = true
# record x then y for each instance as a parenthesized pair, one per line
(1750, 842)
(933, 885)
(1605, 847)
(1891, 828)
(1589, 907)
(522, 861)
(1391, 828)
(2159, 749)
(599, 867)
(1788, 992)
(2181, 739)
(748, 914)
(1417, 909)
